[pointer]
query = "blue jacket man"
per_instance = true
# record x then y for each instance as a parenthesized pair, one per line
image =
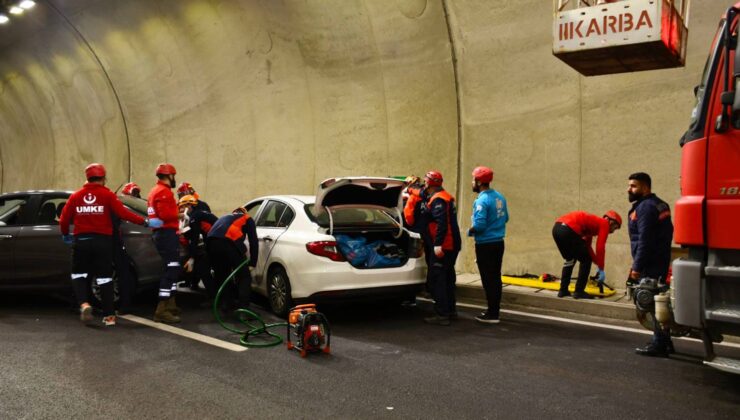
(651, 234)
(490, 215)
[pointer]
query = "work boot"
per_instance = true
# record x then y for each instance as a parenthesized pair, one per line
(652, 350)
(161, 314)
(172, 307)
(438, 320)
(563, 293)
(581, 295)
(86, 312)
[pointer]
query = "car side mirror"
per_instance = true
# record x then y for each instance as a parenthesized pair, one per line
(2, 223)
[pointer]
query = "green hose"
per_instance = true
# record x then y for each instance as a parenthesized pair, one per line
(246, 317)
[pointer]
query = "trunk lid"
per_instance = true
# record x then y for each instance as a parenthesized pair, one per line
(359, 193)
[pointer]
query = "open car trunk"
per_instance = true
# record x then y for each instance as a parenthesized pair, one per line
(377, 248)
(363, 214)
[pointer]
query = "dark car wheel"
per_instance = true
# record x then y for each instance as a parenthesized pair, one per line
(278, 291)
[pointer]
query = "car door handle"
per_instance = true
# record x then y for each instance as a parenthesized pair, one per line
(6, 236)
(267, 239)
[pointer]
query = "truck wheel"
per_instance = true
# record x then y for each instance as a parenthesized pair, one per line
(278, 291)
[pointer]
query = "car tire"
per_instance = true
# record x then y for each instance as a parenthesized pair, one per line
(278, 291)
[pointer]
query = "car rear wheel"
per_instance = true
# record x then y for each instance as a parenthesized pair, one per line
(278, 291)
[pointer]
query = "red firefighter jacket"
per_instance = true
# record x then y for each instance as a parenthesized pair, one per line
(90, 209)
(162, 205)
(587, 226)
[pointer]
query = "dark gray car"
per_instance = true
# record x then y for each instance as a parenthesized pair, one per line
(32, 254)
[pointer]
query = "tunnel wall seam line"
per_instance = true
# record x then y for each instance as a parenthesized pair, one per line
(458, 104)
(107, 78)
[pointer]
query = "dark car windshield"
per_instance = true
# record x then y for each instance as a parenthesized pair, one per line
(136, 204)
(352, 217)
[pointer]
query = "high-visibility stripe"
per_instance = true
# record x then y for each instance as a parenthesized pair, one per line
(173, 264)
(103, 280)
(76, 276)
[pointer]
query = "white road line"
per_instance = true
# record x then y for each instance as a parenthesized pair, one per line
(585, 323)
(185, 333)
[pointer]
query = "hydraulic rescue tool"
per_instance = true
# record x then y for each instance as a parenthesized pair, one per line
(310, 329)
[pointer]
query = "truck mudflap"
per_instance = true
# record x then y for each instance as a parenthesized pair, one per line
(686, 296)
(724, 364)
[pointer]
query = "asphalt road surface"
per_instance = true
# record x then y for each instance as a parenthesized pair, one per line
(385, 363)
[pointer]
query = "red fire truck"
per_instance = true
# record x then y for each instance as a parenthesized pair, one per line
(605, 37)
(705, 291)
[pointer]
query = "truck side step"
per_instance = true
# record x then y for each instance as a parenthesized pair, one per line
(723, 271)
(724, 314)
(724, 364)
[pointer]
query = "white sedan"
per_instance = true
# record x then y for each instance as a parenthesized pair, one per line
(344, 243)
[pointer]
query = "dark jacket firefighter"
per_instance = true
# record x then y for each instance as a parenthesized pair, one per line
(651, 234)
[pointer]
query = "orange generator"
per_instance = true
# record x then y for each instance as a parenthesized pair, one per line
(308, 330)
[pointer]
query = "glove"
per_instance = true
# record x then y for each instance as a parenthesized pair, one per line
(439, 252)
(600, 276)
(634, 275)
(68, 239)
(153, 223)
(189, 265)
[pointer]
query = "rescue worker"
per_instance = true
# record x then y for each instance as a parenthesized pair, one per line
(444, 233)
(186, 189)
(651, 233)
(131, 189)
(162, 205)
(573, 234)
(194, 228)
(190, 279)
(227, 250)
(490, 215)
(412, 202)
(90, 209)
(413, 215)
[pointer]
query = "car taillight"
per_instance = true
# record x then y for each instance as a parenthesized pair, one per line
(326, 249)
(416, 250)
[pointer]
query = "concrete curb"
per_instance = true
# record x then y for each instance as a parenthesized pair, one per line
(596, 307)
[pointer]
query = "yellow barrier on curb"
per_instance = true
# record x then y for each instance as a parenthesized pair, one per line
(592, 287)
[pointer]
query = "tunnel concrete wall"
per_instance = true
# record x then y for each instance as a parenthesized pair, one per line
(260, 97)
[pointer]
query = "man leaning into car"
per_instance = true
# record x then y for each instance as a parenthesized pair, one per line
(90, 210)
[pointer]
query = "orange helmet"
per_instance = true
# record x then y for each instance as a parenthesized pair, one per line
(129, 188)
(434, 179)
(187, 200)
(166, 169)
(613, 215)
(95, 170)
(483, 174)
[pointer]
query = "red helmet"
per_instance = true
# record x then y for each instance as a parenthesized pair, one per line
(483, 174)
(433, 179)
(129, 188)
(613, 215)
(185, 188)
(166, 169)
(95, 170)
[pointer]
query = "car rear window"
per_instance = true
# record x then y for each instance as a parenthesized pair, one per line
(352, 217)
